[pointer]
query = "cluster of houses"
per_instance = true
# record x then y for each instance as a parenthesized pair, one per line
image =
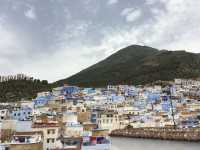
(73, 118)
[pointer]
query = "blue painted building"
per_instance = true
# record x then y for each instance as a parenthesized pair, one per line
(68, 90)
(141, 104)
(153, 97)
(189, 122)
(94, 116)
(89, 90)
(116, 98)
(165, 98)
(22, 114)
(165, 103)
(166, 106)
(42, 100)
(132, 91)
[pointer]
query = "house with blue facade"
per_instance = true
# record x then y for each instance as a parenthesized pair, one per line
(166, 105)
(131, 91)
(89, 90)
(153, 97)
(68, 90)
(140, 103)
(22, 114)
(116, 98)
(42, 100)
(189, 122)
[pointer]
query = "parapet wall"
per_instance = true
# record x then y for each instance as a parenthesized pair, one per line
(36, 146)
(191, 134)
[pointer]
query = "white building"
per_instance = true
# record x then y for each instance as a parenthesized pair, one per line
(4, 113)
(51, 132)
(109, 120)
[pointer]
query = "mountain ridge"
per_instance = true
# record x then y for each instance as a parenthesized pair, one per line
(142, 61)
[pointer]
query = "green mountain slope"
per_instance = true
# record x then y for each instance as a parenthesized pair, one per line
(138, 65)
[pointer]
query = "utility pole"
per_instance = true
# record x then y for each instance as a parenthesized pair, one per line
(172, 110)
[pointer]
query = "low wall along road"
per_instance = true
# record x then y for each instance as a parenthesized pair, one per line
(191, 134)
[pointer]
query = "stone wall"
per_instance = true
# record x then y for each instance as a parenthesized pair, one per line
(192, 134)
(37, 146)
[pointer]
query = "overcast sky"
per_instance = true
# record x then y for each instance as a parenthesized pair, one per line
(53, 39)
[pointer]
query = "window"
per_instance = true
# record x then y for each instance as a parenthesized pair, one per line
(47, 140)
(52, 140)
(48, 131)
(53, 131)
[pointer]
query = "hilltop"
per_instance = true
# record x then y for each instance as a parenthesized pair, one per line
(138, 65)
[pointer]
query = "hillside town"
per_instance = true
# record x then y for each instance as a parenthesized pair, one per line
(75, 118)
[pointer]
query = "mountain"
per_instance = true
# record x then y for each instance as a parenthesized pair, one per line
(138, 65)
(13, 90)
(132, 65)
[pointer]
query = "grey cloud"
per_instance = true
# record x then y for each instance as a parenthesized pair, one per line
(61, 35)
